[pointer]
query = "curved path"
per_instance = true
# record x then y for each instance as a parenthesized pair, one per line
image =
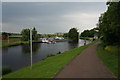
(85, 65)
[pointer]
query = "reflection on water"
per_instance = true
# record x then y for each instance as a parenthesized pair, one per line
(73, 45)
(26, 48)
(18, 56)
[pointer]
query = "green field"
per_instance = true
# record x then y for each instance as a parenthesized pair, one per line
(49, 67)
(12, 42)
(109, 56)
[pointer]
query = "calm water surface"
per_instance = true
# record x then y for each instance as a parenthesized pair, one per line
(19, 56)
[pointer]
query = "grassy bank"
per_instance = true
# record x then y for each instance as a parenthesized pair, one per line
(86, 38)
(14, 44)
(109, 56)
(49, 67)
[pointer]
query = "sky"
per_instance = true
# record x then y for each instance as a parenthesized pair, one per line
(56, 0)
(50, 17)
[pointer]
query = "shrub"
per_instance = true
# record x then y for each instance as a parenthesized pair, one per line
(49, 55)
(6, 70)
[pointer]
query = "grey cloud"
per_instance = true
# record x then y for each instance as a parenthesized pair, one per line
(48, 17)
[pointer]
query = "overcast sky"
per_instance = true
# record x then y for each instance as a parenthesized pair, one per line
(50, 17)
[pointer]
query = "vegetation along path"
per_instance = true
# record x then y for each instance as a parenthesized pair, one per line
(85, 65)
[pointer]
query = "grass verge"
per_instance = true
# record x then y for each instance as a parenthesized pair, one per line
(86, 38)
(109, 56)
(49, 67)
(14, 44)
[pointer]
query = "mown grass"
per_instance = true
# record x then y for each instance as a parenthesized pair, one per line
(109, 56)
(49, 67)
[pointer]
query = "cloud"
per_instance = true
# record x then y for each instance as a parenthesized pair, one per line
(83, 20)
(51, 17)
(55, 0)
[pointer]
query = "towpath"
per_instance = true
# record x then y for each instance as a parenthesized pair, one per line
(85, 65)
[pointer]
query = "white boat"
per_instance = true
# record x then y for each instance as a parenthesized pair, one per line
(44, 40)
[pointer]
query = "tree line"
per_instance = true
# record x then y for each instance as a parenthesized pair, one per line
(109, 24)
(89, 33)
(72, 35)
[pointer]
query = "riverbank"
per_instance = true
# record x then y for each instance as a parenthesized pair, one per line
(14, 44)
(109, 57)
(49, 67)
(86, 38)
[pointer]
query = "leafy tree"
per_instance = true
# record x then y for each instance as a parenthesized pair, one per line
(89, 33)
(109, 23)
(73, 35)
(65, 35)
(34, 34)
(5, 34)
(85, 33)
(25, 34)
(39, 35)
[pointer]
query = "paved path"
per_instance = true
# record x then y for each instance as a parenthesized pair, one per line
(85, 65)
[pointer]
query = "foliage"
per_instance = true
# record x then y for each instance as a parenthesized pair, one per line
(89, 33)
(109, 23)
(65, 35)
(34, 34)
(50, 35)
(26, 34)
(5, 34)
(39, 35)
(73, 35)
(6, 70)
(48, 67)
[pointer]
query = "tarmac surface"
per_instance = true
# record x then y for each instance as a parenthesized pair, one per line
(86, 65)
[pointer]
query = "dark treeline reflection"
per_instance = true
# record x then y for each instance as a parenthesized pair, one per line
(5, 50)
(73, 44)
(35, 48)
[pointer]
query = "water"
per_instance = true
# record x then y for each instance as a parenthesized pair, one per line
(19, 56)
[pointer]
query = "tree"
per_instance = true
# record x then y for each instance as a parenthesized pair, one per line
(89, 33)
(34, 34)
(109, 23)
(65, 35)
(25, 34)
(73, 35)
(5, 34)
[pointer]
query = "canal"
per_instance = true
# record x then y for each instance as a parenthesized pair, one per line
(17, 57)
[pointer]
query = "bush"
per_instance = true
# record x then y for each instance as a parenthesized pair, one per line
(59, 52)
(6, 70)
(49, 55)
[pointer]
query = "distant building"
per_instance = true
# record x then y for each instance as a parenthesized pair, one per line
(59, 34)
